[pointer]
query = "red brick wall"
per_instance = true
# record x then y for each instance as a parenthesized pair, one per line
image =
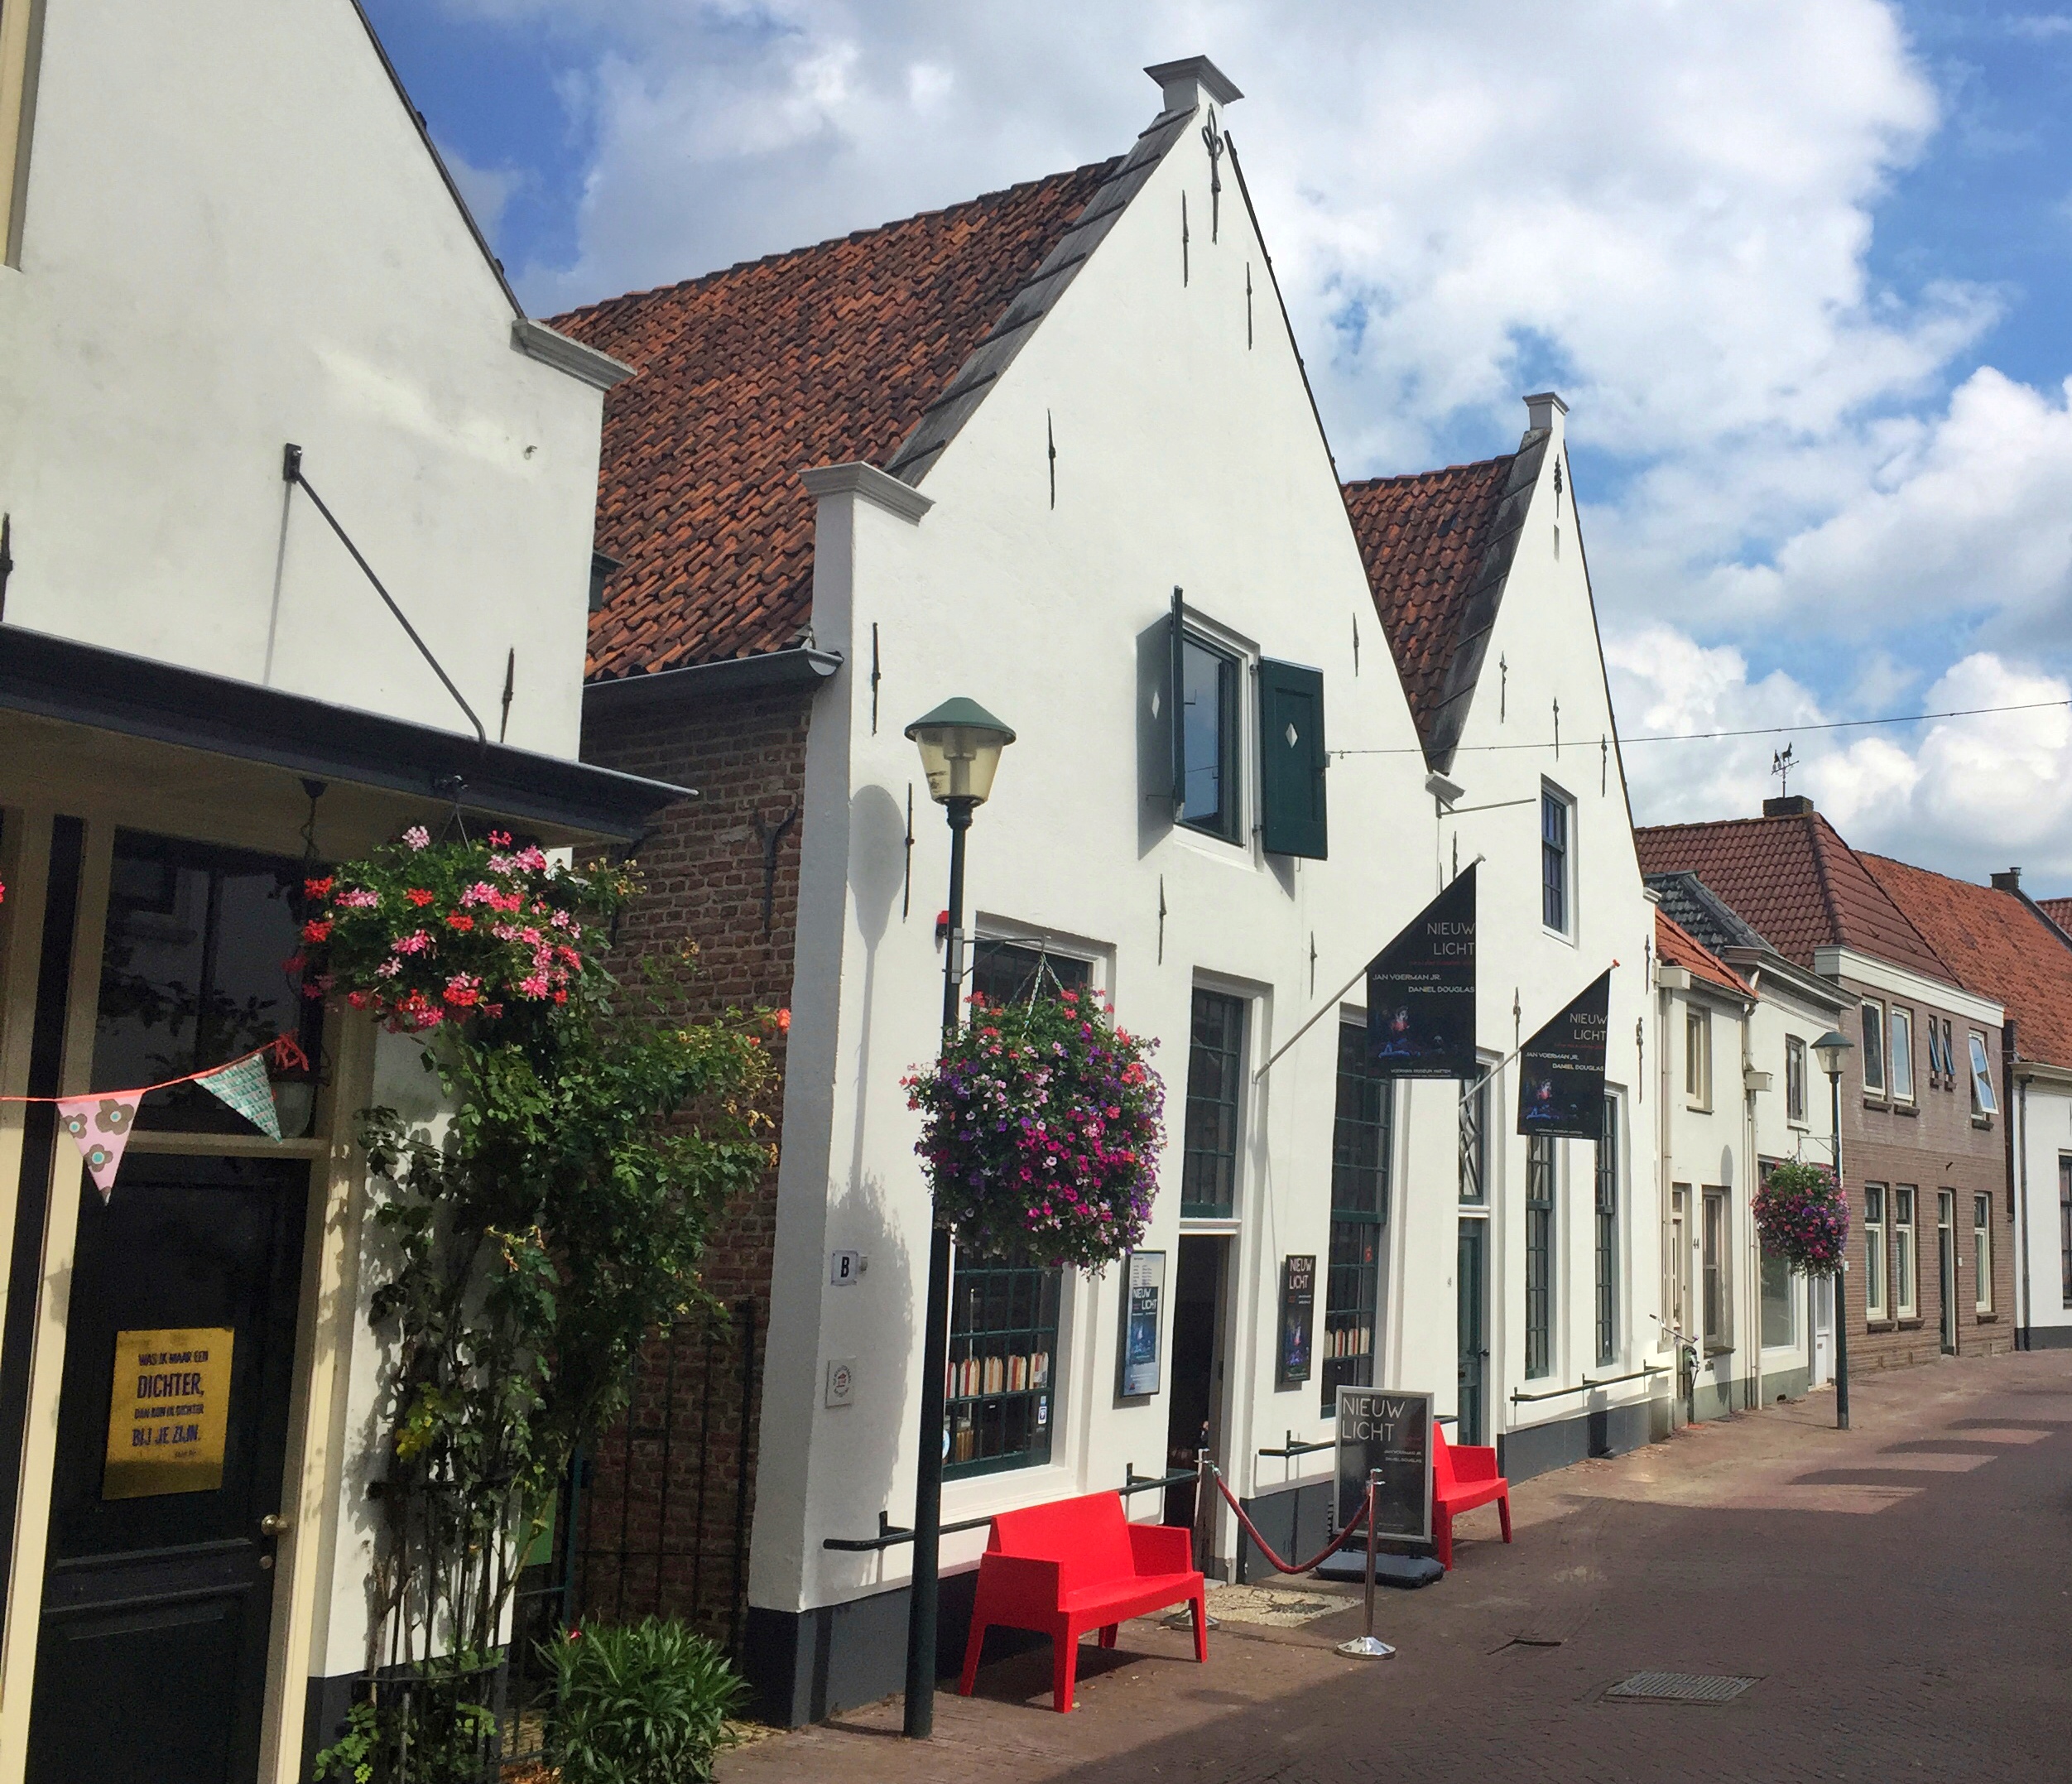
(661, 1527)
(1936, 1145)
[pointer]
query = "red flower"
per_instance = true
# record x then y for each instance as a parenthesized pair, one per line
(784, 1020)
(316, 889)
(460, 922)
(317, 929)
(418, 895)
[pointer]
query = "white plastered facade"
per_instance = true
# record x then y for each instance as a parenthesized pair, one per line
(1187, 455)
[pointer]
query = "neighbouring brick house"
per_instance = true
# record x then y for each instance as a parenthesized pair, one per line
(1920, 1092)
(2005, 945)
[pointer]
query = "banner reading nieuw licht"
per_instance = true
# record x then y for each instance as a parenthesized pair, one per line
(1561, 1070)
(1421, 991)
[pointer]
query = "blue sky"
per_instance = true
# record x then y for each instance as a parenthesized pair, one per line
(1803, 268)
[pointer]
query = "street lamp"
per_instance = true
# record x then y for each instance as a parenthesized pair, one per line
(1832, 1046)
(960, 743)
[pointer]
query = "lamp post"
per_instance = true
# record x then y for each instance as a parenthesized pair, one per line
(1832, 1046)
(960, 743)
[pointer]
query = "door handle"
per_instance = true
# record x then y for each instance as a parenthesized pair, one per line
(273, 1524)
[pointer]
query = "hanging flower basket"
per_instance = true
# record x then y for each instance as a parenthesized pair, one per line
(1803, 1217)
(1043, 1132)
(423, 932)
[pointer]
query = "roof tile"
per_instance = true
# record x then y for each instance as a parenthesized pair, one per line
(1674, 945)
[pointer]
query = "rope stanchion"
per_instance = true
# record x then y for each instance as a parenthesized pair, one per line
(1266, 1548)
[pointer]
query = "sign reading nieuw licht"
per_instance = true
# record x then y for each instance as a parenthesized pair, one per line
(1298, 1313)
(1421, 991)
(1561, 1070)
(1388, 1429)
(168, 1413)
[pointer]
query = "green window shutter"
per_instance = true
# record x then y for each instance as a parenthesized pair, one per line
(1291, 745)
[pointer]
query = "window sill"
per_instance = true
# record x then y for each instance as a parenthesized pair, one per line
(1982, 1121)
(1910, 1322)
(1908, 1109)
(1875, 1102)
(1985, 1318)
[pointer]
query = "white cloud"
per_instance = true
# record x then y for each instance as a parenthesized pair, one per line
(487, 189)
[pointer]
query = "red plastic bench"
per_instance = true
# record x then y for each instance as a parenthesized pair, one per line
(1077, 1564)
(1463, 1476)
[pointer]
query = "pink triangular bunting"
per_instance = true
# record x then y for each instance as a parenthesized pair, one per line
(101, 1124)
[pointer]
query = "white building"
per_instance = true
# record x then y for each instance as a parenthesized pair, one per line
(1002, 451)
(225, 234)
(1741, 1090)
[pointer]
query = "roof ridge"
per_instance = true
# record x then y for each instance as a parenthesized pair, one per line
(777, 256)
(1442, 470)
(1934, 953)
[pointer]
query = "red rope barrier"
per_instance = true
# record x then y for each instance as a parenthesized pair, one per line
(1266, 1548)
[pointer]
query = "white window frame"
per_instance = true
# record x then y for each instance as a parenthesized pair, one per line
(1901, 1022)
(1982, 1252)
(1878, 1260)
(1984, 1102)
(1798, 1098)
(1872, 1024)
(1716, 1198)
(1697, 1056)
(1905, 1252)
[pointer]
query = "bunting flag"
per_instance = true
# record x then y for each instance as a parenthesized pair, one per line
(244, 1085)
(1421, 991)
(1561, 1069)
(101, 1124)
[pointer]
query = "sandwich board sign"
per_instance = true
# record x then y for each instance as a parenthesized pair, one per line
(1388, 1429)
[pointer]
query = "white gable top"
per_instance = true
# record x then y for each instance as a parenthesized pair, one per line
(1183, 83)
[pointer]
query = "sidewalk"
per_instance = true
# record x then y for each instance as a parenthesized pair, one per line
(1902, 1592)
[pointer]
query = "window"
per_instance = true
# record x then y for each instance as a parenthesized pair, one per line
(1900, 1060)
(1949, 1059)
(1607, 1235)
(1208, 739)
(1982, 1253)
(1717, 1264)
(1981, 1099)
(1794, 1102)
(1539, 1255)
(1474, 1143)
(1905, 1302)
(1875, 1305)
(1554, 815)
(1697, 1057)
(2065, 1222)
(1360, 1144)
(1003, 1335)
(1779, 1321)
(1008, 972)
(1209, 1164)
(1676, 1266)
(1873, 1049)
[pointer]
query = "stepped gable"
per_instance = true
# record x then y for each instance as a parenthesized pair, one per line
(1674, 945)
(1438, 546)
(1998, 947)
(1793, 880)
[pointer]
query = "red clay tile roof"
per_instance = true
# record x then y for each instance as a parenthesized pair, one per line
(1438, 546)
(1796, 882)
(819, 356)
(1674, 945)
(2058, 910)
(1998, 947)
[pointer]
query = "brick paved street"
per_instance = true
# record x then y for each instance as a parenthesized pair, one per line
(1902, 1592)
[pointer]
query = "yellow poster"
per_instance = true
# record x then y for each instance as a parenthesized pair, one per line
(168, 1410)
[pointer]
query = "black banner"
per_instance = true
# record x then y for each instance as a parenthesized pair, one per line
(1421, 991)
(1561, 1071)
(1298, 1313)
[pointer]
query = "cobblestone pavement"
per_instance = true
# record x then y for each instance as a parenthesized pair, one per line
(1902, 1592)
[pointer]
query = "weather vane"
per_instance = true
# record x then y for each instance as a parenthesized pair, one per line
(1781, 763)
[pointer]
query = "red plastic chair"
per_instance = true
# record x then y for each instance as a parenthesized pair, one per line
(1463, 1476)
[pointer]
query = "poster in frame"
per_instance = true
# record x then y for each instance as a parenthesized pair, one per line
(1140, 1351)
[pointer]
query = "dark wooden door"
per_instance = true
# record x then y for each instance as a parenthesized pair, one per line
(151, 1665)
(1471, 1288)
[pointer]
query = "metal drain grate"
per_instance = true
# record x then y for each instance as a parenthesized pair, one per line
(1681, 1687)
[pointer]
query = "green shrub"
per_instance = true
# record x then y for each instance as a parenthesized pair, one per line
(643, 1703)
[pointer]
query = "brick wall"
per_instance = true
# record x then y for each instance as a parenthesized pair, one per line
(664, 1518)
(1932, 1146)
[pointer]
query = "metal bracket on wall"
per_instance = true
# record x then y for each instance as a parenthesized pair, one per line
(6, 559)
(772, 836)
(906, 893)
